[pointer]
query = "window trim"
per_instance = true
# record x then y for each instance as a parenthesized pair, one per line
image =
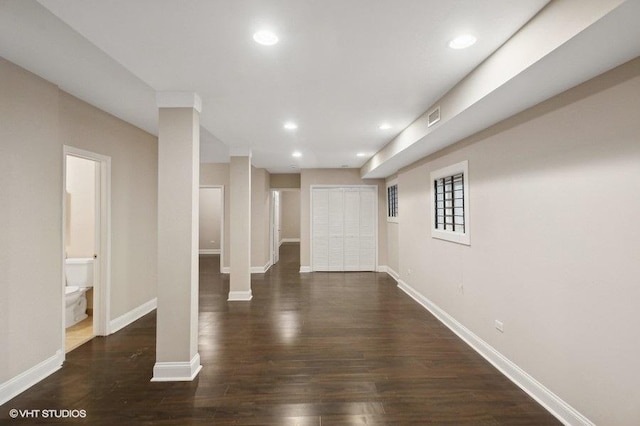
(455, 237)
(392, 219)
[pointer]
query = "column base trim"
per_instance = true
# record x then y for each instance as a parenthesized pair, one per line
(261, 269)
(305, 269)
(239, 296)
(177, 371)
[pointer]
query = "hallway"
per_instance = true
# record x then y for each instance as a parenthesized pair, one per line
(309, 349)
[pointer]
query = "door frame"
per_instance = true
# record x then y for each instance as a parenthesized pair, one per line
(272, 218)
(274, 255)
(102, 268)
(222, 217)
(377, 213)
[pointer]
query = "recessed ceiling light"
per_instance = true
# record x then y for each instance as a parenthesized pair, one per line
(266, 38)
(462, 41)
(296, 154)
(290, 125)
(384, 126)
(361, 154)
(345, 166)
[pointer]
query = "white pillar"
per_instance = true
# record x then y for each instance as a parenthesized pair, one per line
(240, 210)
(177, 357)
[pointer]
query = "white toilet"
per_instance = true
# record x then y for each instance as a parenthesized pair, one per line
(79, 279)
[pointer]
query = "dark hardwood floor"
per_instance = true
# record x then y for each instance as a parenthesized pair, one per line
(309, 349)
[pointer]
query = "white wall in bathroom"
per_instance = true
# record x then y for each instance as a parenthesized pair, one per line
(80, 220)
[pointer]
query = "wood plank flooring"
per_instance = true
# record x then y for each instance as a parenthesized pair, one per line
(78, 334)
(309, 349)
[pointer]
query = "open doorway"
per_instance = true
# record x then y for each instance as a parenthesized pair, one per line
(85, 246)
(275, 226)
(285, 219)
(211, 221)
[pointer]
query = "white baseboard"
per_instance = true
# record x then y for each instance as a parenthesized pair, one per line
(254, 269)
(261, 269)
(23, 381)
(209, 251)
(290, 240)
(305, 269)
(240, 296)
(550, 401)
(133, 315)
(177, 371)
(393, 274)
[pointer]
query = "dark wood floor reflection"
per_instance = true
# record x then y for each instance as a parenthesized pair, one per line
(309, 349)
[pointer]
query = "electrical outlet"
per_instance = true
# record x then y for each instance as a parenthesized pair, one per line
(499, 326)
(409, 271)
(461, 288)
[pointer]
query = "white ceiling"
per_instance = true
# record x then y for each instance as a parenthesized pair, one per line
(340, 68)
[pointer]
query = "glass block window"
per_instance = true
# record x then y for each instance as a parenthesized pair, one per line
(392, 201)
(450, 203)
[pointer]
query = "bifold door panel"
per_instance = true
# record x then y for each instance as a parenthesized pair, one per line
(343, 229)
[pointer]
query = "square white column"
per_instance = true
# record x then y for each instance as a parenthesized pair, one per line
(240, 228)
(177, 357)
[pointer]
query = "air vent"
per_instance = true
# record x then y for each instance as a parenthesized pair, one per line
(433, 117)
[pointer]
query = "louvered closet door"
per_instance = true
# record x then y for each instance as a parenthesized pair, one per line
(320, 229)
(343, 229)
(352, 229)
(367, 230)
(336, 229)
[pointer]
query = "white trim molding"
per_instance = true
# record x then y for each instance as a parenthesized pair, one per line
(23, 381)
(239, 296)
(102, 269)
(226, 270)
(305, 269)
(550, 401)
(289, 240)
(393, 274)
(209, 251)
(177, 371)
(133, 315)
(261, 269)
(179, 100)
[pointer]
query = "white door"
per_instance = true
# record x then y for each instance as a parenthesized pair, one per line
(320, 229)
(336, 229)
(343, 229)
(352, 229)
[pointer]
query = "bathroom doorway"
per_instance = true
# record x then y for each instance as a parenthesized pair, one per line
(85, 246)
